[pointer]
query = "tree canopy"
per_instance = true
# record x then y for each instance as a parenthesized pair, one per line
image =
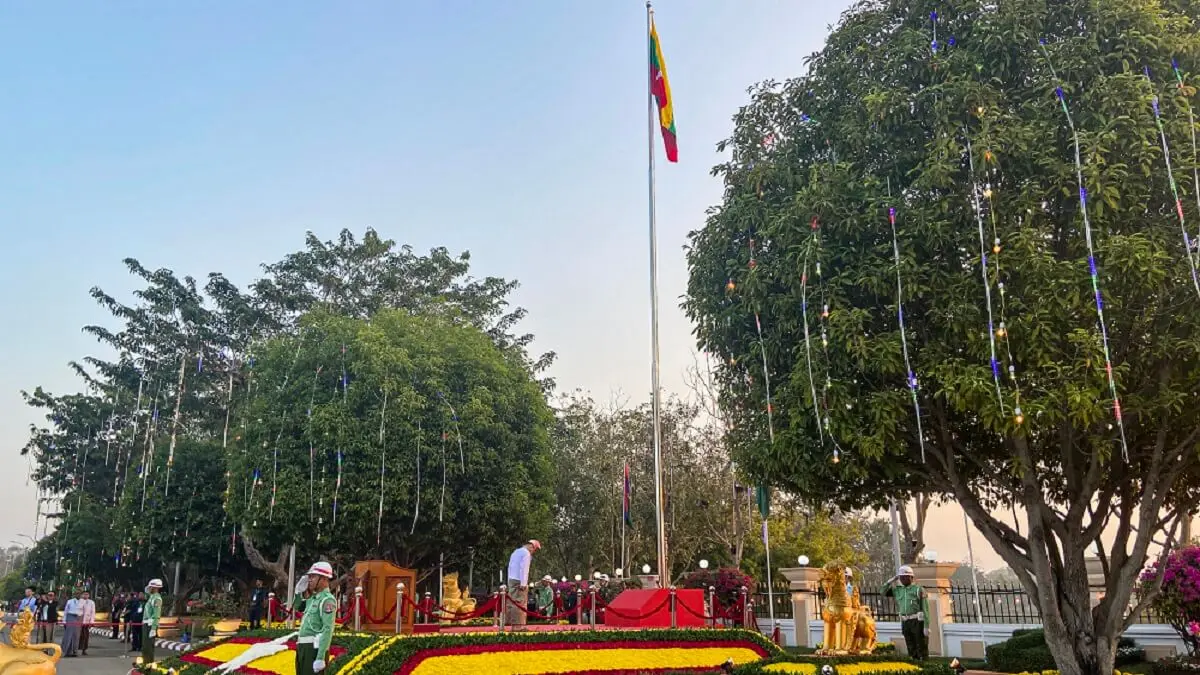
(958, 350)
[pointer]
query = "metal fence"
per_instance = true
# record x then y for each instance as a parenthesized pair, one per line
(998, 604)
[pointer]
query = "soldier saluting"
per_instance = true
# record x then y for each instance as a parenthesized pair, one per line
(316, 627)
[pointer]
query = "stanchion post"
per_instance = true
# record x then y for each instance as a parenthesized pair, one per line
(671, 607)
(503, 606)
(712, 606)
(399, 606)
(270, 609)
(579, 606)
(426, 607)
(496, 608)
(592, 606)
(357, 608)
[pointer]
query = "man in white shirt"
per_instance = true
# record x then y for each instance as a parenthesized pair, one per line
(518, 583)
(89, 618)
(72, 621)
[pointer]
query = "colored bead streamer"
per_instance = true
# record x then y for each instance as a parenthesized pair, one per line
(983, 265)
(312, 450)
(382, 467)
(824, 320)
(933, 19)
(912, 378)
(989, 195)
(812, 385)
(1087, 231)
(1162, 135)
(337, 486)
(282, 424)
(766, 379)
(417, 498)
(457, 431)
(1195, 147)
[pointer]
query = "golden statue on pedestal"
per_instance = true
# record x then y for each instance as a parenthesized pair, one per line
(849, 626)
(22, 658)
(454, 599)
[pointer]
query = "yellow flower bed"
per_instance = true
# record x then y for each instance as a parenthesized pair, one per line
(875, 667)
(546, 661)
(792, 668)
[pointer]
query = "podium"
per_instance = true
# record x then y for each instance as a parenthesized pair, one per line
(638, 607)
(378, 579)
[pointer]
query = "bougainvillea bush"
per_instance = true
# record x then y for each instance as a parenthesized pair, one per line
(728, 581)
(1178, 602)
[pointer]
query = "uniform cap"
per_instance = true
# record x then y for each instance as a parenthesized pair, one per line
(905, 571)
(322, 569)
(155, 583)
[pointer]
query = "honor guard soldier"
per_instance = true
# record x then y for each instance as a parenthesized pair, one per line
(316, 628)
(150, 617)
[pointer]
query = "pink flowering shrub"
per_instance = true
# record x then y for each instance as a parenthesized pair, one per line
(1178, 602)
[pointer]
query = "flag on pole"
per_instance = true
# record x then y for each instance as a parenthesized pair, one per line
(661, 89)
(626, 512)
(763, 493)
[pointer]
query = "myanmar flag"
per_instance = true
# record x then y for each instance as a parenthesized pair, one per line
(662, 95)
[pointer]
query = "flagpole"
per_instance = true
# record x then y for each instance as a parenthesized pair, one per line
(664, 571)
(625, 507)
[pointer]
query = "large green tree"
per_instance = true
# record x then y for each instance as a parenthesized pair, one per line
(395, 400)
(961, 131)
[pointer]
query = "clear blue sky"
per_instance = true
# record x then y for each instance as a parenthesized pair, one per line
(209, 136)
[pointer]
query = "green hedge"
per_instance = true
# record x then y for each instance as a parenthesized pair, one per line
(1026, 652)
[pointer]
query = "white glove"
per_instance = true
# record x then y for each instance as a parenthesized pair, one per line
(318, 665)
(921, 617)
(926, 632)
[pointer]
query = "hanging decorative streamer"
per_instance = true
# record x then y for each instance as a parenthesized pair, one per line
(1195, 148)
(766, 379)
(312, 451)
(933, 19)
(824, 321)
(417, 499)
(337, 486)
(148, 447)
(983, 271)
(1162, 134)
(989, 195)
(1092, 268)
(382, 467)
(282, 423)
(442, 502)
(457, 430)
(812, 385)
(912, 378)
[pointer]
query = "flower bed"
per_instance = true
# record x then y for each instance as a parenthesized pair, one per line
(846, 665)
(587, 652)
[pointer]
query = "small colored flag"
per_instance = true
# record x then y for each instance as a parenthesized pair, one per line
(661, 89)
(763, 493)
(626, 512)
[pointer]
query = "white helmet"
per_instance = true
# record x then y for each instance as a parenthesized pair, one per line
(155, 583)
(905, 571)
(322, 569)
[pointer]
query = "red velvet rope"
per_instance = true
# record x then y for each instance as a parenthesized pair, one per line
(542, 617)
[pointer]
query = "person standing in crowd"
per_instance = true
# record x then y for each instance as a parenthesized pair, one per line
(29, 602)
(913, 606)
(47, 616)
(73, 619)
(545, 596)
(258, 600)
(117, 613)
(133, 621)
(151, 613)
(89, 618)
(316, 627)
(518, 583)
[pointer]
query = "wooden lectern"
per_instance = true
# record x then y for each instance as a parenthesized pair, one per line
(378, 579)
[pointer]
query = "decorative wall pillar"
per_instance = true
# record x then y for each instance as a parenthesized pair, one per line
(804, 584)
(934, 577)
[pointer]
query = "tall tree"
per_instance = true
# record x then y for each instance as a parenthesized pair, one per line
(989, 402)
(351, 414)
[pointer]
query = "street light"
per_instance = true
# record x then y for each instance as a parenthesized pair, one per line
(618, 571)
(931, 556)
(703, 564)
(803, 561)
(645, 569)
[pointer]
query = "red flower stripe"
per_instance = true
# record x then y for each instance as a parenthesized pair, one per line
(416, 659)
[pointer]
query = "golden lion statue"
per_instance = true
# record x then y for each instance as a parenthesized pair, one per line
(454, 600)
(849, 626)
(22, 658)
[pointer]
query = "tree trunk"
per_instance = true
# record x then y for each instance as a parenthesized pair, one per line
(913, 531)
(1083, 655)
(277, 570)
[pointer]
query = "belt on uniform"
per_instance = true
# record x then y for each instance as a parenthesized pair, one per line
(307, 640)
(909, 617)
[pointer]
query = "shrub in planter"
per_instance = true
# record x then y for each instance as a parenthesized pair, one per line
(728, 581)
(1177, 665)
(1026, 651)
(1178, 601)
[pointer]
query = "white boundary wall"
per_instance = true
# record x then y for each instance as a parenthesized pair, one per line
(1146, 635)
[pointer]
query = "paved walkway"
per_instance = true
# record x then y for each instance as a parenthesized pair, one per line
(105, 657)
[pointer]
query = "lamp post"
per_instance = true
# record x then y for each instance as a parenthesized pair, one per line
(802, 561)
(703, 564)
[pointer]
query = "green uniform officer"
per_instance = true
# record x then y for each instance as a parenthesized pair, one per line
(316, 628)
(913, 606)
(150, 618)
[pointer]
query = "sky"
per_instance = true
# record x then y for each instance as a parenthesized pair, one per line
(210, 136)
